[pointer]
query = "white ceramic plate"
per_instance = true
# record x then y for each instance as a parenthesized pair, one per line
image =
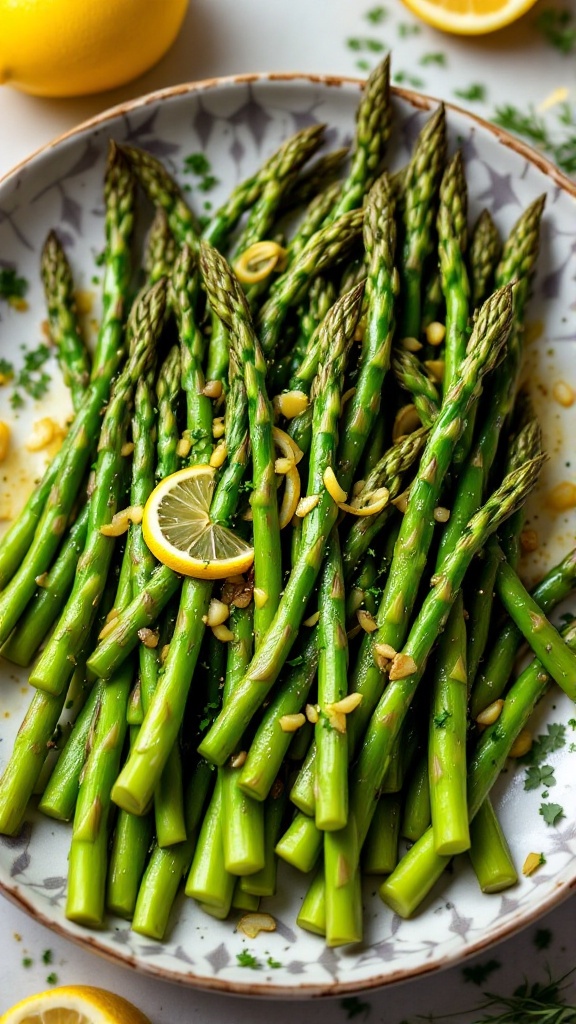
(236, 123)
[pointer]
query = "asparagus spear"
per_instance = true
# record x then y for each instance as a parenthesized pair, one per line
(249, 191)
(373, 127)
(164, 192)
(296, 151)
(421, 868)
(160, 250)
(331, 741)
(65, 331)
(228, 301)
(452, 240)
(48, 601)
(547, 644)
(56, 663)
(361, 411)
(408, 665)
(492, 681)
(421, 184)
(325, 248)
(447, 738)
(119, 194)
(483, 257)
(488, 337)
(137, 781)
(276, 643)
(423, 391)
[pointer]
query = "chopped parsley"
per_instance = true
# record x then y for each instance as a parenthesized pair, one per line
(571, 721)
(12, 286)
(546, 743)
(354, 1007)
(542, 938)
(6, 368)
(557, 26)
(479, 973)
(434, 58)
(377, 15)
(246, 959)
(199, 165)
(47, 956)
(406, 29)
(404, 78)
(294, 662)
(534, 128)
(536, 776)
(552, 813)
(371, 45)
(273, 963)
(52, 978)
(441, 718)
(16, 400)
(27, 961)
(473, 93)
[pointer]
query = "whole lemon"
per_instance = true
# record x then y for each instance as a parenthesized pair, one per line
(75, 47)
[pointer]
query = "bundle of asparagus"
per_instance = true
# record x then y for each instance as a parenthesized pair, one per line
(206, 726)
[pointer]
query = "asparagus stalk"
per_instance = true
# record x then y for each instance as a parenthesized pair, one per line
(421, 868)
(56, 663)
(325, 248)
(409, 664)
(421, 185)
(137, 781)
(447, 738)
(331, 739)
(373, 127)
(276, 643)
(228, 301)
(43, 610)
(63, 323)
(483, 257)
(548, 646)
(361, 411)
(163, 191)
(492, 681)
(297, 150)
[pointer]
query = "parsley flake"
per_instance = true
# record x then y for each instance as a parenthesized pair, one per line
(377, 15)
(246, 959)
(441, 718)
(479, 973)
(536, 776)
(552, 813)
(12, 286)
(474, 93)
(354, 1007)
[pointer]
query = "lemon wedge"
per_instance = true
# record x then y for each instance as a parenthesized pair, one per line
(469, 17)
(179, 531)
(74, 1004)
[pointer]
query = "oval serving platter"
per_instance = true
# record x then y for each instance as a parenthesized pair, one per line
(236, 123)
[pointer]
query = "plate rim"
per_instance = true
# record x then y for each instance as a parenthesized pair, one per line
(564, 886)
(423, 101)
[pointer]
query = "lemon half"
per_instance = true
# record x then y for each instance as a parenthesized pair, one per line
(74, 1004)
(469, 17)
(179, 531)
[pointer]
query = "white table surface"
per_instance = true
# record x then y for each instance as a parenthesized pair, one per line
(518, 66)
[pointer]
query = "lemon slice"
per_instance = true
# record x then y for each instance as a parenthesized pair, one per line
(469, 17)
(74, 1004)
(179, 531)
